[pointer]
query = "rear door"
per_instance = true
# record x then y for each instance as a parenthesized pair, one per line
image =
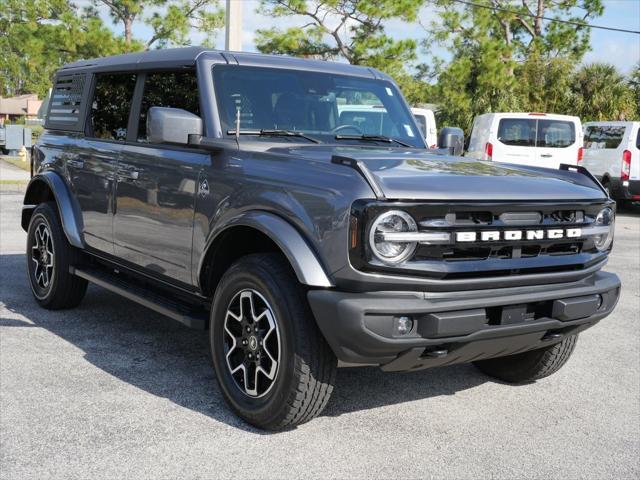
(157, 183)
(557, 141)
(603, 147)
(515, 141)
(91, 165)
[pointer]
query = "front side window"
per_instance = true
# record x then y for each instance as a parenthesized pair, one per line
(603, 136)
(555, 134)
(168, 89)
(109, 113)
(317, 104)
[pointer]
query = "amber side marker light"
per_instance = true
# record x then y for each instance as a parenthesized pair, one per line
(353, 232)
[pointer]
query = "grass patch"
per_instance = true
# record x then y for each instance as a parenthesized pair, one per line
(13, 182)
(18, 162)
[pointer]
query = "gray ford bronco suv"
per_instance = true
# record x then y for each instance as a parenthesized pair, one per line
(245, 195)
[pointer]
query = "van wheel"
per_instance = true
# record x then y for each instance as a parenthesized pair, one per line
(49, 256)
(529, 366)
(273, 365)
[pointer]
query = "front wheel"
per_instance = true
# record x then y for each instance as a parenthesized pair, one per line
(274, 367)
(529, 366)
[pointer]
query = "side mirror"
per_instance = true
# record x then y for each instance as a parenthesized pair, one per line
(172, 125)
(451, 138)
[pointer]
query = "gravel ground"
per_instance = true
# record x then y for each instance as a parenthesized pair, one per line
(112, 390)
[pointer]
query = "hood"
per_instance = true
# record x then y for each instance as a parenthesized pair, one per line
(414, 174)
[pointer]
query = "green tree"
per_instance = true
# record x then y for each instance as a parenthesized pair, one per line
(602, 93)
(520, 26)
(352, 30)
(38, 36)
(506, 56)
(479, 78)
(634, 84)
(170, 20)
(545, 84)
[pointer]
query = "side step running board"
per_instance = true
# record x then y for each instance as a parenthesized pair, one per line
(176, 310)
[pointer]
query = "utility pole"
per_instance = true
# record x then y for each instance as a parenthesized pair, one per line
(233, 27)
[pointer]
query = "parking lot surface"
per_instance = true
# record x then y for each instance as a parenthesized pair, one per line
(113, 390)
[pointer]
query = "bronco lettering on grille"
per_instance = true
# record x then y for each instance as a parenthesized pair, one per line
(515, 235)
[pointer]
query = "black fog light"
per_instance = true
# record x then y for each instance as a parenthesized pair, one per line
(402, 325)
(600, 301)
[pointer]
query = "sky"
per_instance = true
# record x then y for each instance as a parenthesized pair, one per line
(620, 49)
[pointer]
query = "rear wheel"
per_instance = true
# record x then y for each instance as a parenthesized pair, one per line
(529, 366)
(274, 367)
(49, 256)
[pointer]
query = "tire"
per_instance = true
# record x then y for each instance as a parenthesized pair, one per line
(529, 366)
(299, 386)
(53, 287)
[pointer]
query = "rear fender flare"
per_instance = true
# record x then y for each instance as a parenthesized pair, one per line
(68, 208)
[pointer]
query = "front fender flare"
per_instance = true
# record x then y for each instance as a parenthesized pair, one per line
(300, 255)
(68, 207)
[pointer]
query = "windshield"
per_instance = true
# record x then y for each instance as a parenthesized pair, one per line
(321, 105)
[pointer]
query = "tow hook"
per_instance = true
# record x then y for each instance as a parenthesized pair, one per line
(436, 353)
(552, 336)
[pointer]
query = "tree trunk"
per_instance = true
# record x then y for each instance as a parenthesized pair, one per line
(538, 20)
(128, 30)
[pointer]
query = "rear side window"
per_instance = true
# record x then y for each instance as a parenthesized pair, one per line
(555, 134)
(66, 102)
(525, 132)
(109, 114)
(168, 89)
(603, 136)
(519, 132)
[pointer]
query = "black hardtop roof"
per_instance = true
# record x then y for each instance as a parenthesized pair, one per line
(187, 56)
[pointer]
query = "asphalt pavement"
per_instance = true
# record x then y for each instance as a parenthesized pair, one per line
(113, 390)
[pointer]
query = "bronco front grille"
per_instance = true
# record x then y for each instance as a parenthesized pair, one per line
(477, 258)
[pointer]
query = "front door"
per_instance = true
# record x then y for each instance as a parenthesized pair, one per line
(157, 185)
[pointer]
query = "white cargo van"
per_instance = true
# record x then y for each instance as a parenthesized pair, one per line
(427, 122)
(612, 153)
(538, 139)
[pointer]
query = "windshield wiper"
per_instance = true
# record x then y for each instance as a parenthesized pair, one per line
(373, 138)
(273, 133)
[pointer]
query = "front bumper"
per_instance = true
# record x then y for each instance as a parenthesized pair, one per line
(458, 327)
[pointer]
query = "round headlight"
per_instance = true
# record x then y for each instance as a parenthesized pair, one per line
(392, 251)
(605, 218)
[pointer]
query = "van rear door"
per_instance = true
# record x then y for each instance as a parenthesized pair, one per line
(603, 147)
(516, 139)
(557, 141)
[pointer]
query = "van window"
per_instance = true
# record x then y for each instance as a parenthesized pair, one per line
(555, 134)
(519, 132)
(603, 136)
(421, 120)
(109, 114)
(168, 89)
